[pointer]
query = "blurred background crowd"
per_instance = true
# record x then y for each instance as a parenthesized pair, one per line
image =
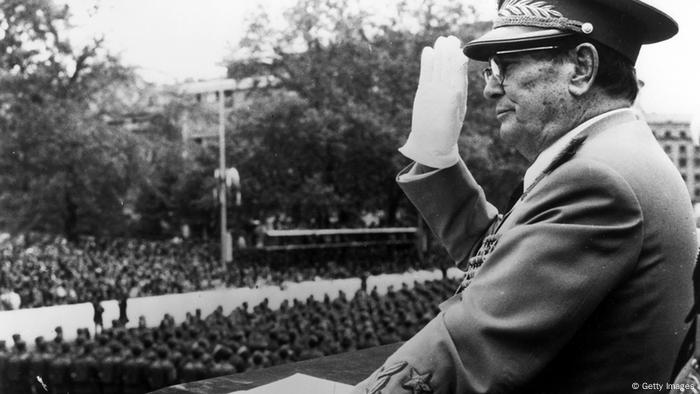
(53, 271)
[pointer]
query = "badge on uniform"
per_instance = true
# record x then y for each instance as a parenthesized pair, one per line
(486, 248)
(417, 383)
(384, 375)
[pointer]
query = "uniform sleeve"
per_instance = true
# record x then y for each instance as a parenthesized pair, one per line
(453, 205)
(577, 235)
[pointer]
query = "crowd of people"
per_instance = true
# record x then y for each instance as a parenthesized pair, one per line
(137, 360)
(52, 271)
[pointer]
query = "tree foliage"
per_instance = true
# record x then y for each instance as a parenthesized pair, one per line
(318, 147)
(63, 169)
(175, 185)
(324, 140)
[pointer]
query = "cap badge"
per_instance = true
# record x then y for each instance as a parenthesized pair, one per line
(587, 28)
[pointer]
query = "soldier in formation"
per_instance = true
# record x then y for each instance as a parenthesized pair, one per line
(139, 360)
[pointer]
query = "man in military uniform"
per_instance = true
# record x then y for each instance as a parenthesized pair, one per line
(161, 372)
(98, 311)
(57, 340)
(238, 360)
(123, 299)
(84, 372)
(59, 371)
(583, 285)
(110, 370)
(222, 363)
(102, 348)
(16, 338)
(175, 355)
(134, 372)
(18, 369)
(194, 369)
(148, 351)
(39, 366)
(4, 356)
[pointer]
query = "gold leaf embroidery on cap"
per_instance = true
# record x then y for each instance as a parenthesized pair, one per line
(534, 13)
(528, 8)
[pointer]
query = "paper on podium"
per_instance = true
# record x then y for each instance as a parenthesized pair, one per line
(300, 384)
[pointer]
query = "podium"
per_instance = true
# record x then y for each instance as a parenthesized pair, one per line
(350, 368)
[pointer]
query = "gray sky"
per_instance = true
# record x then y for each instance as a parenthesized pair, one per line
(174, 40)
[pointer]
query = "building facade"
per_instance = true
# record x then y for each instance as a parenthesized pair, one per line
(200, 121)
(680, 144)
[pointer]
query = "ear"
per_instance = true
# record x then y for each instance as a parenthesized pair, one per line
(585, 60)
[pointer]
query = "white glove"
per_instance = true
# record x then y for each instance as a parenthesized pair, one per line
(439, 106)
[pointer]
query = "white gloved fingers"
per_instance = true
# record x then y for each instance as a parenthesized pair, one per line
(426, 66)
(459, 75)
(458, 60)
(442, 57)
(452, 45)
(464, 85)
(448, 56)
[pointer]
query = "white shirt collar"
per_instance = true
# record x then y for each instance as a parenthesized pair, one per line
(550, 153)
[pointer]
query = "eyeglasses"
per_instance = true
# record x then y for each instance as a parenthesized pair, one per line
(497, 71)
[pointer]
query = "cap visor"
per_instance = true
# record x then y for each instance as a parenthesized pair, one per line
(508, 38)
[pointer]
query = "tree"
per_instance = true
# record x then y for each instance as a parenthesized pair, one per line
(63, 168)
(175, 186)
(328, 132)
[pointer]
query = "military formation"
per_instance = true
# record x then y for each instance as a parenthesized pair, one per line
(141, 359)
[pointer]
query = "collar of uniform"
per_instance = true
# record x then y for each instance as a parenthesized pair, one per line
(547, 156)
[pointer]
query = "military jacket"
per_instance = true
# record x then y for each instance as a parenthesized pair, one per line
(583, 287)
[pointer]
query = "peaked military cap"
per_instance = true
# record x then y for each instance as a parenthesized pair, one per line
(623, 25)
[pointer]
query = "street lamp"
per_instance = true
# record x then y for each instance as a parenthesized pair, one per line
(221, 87)
(222, 177)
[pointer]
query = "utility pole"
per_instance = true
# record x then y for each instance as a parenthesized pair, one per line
(205, 130)
(222, 176)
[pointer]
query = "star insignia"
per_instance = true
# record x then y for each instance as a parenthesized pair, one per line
(418, 383)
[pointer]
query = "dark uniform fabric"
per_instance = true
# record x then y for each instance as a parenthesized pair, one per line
(110, 371)
(59, 372)
(84, 374)
(194, 370)
(135, 375)
(583, 287)
(39, 363)
(161, 373)
(222, 368)
(18, 371)
(4, 357)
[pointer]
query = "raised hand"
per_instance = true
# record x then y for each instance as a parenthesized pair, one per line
(439, 106)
